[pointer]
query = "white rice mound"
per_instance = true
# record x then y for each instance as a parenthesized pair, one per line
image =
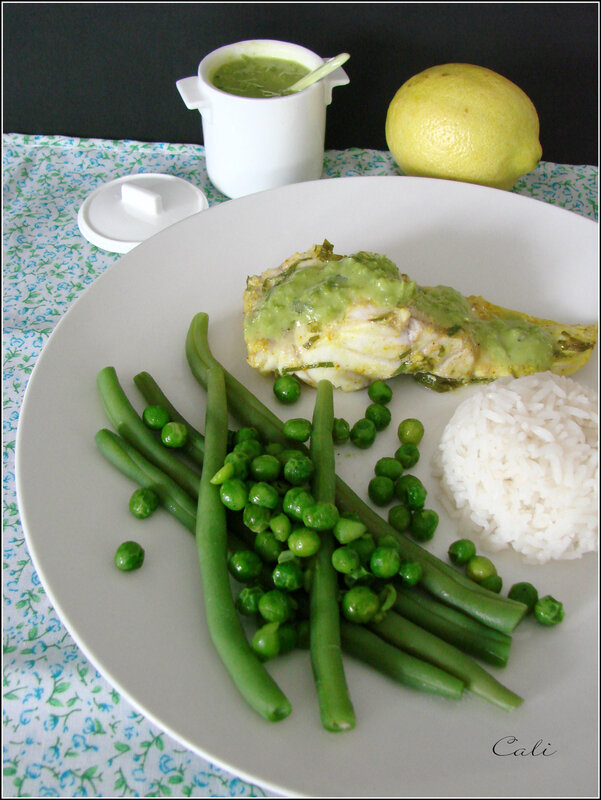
(518, 465)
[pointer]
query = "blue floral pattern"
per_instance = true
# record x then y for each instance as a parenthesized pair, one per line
(67, 733)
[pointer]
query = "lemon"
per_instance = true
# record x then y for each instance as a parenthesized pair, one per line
(466, 123)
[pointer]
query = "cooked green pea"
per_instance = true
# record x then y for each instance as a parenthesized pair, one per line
(424, 522)
(321, 516)
(341, 430)
(143, 503)
(347, 530)
(298, 429)
(155, 417)
(410, 572)
(287, 389)
(245, 566)
(363, 433)
(360, 604)
(288, 576)
(479, 567)
(525, 593)
(410, 431)
(389, 467)
(234, 494)
(548, 611)
(267, 546)
(266, 641)
(298, 470)
(235, 465)
(256, 518)
(379, 414)
(263, 494)
(411, 491)
(265, 467)
(345, 559)
(389, 540)
(304, 542)
(280, 526)
(365, 546)
(288, 638)
(273, 448)
(381, 490)
(243, 434)
(494, 583)
(359, 577)
(129, 556)
(385, 562)
(174, 434)
(295, 501)
(240, 462)
(275, 606)
(399, 517)
(247, 601)
(287, 453)
(407, 455)
(379, 392)
(461, 551)
(281, 486)
(249, 447)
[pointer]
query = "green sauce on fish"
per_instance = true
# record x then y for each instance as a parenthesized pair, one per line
(362, 319)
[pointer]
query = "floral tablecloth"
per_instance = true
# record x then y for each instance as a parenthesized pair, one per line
(67, 733)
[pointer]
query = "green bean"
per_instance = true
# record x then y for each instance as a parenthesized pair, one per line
(133, 464)
(409, 637)
(366, 646)
(335, 705)
(442, 580)
(453, 626)
(173, 498)
(129, 425)
(153, 394)
(246, 670)
(136, 467)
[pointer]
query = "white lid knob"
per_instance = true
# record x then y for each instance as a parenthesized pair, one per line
(124, 212)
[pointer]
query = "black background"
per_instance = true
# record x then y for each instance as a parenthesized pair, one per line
(108, 70)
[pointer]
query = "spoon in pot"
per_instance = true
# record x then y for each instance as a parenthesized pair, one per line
(317, 74)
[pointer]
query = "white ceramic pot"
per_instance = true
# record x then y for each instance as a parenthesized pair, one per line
(252, 144)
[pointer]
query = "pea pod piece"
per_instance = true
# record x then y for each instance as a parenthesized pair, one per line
(548, 611)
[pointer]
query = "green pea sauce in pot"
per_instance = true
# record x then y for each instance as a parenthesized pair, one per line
(257, 76)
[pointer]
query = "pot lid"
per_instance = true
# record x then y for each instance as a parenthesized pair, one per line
(121, 214)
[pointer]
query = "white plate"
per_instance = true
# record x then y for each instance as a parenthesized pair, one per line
(146, 632)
